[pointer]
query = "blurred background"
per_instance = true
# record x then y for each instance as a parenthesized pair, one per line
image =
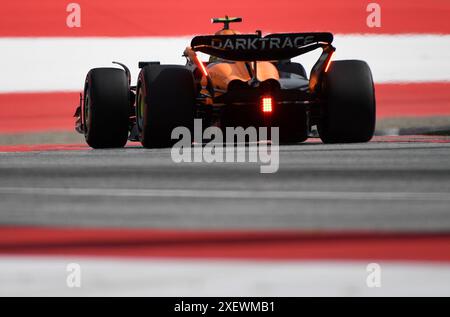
(125, 216)
(44, 61)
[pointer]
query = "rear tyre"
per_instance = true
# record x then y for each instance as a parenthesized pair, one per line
(348, 115)
(165, 100)
(106, 108)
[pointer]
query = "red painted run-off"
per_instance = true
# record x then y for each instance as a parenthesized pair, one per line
(270, 245)
(44, 112)
(413, 100)
(37, 112)
(186, 17)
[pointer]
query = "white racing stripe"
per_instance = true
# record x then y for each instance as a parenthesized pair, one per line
(58, 64)
(46, 276)
(226, 194)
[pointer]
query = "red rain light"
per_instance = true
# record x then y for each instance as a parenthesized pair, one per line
(266, 104)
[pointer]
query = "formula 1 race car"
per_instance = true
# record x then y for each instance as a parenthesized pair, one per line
(249, 80)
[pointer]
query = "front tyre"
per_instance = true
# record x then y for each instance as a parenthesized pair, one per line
(348, 115)
(106, 108)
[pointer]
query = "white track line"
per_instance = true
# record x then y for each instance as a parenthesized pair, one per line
(46, 276)
(56, 64)
(225, 194)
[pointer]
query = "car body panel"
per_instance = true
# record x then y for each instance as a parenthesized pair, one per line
(222, 73)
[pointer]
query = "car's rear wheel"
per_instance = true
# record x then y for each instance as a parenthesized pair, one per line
(165, 100)
(348, 115)
(106, 108)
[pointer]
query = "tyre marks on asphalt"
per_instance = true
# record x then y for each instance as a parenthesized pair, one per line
(225, 194)
(430, 139)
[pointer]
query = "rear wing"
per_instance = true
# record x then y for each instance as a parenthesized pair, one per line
(254, 47)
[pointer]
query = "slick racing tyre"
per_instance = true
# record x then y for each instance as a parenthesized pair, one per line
(165, 100)
(348, 115)
(106, 108)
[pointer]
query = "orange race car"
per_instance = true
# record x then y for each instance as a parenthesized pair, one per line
(249, 80)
